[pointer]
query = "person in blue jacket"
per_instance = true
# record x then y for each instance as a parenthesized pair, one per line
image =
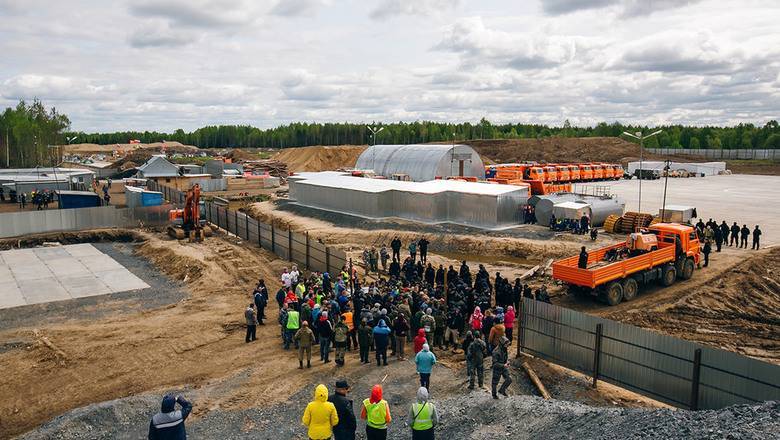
(425, 361)
(381, 339)
(168, 424)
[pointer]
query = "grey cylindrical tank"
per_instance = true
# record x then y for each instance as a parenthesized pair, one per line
(543, 205)
(602, 207)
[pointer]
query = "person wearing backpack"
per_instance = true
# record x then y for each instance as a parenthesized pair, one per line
(340, 340)
(423, 417)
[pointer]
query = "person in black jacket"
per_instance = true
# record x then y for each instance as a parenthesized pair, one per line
(396, 246)
(582, 263)
(422, 247)
(345, 428)
(430, 275)
(744, 234)
(734, 235)
(756, 238)
(168, 424)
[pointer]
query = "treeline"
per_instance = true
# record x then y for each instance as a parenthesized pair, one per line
(27, 133)
(301, 134)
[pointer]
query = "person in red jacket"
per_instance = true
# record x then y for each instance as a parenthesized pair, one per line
(419, 340)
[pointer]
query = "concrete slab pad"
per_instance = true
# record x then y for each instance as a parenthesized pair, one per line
(51, 253)
(32, 276)
(120, 280)
(43, 290)
(11, 296)
(100, 263)
(33, 271)
(86, 285)
(83, 250)
(6, 277)
(67, 267)
(19, 258)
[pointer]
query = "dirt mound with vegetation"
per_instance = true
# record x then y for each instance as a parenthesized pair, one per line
(739, 310)
(557, 149)
(320, 158)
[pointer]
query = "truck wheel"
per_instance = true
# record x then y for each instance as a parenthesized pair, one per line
(630, 289)
(687, 269)
(613, 293)
(669, 275)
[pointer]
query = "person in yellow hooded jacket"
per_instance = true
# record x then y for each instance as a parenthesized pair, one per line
(320, 415)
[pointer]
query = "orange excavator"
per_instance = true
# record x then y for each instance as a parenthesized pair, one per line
(187, 222)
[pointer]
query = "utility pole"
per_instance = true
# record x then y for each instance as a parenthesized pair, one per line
(666, 183)
(641, 138)
(7, 149)
(374, 131)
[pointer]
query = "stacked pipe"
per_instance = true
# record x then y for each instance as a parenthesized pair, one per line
(628, 223)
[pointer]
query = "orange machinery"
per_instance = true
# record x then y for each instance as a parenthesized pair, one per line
(187, 221)
(574, 173)
(598, 171)
(586, 172)
(615, 272)
(564, 174)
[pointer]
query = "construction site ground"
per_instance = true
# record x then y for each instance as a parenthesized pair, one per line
(185, 333)
(194, 342)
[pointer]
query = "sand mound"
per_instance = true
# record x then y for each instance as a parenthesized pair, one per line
(555, 149)
(126, 148)
(320, 158)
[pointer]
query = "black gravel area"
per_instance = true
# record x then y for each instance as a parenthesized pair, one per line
(161, 291)
(464, 414)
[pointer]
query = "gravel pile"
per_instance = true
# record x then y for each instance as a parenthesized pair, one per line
(473, 416)
(525, 417)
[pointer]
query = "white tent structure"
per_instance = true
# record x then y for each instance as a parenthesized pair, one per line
(422, 162)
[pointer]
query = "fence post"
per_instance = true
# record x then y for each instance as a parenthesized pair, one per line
(327, 258)
(307, 250)
(235, 222)
(597, 355)
(289, 244)
(521, 330)
(218, 217)
(695, 379)
(259, 237)
(246, 217)
(273, 238)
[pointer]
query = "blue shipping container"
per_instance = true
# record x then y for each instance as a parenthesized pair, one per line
(77, 199)
(151, 198)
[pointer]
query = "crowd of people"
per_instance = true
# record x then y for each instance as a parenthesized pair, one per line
(414, 311)
(711, 233)
(40, 199)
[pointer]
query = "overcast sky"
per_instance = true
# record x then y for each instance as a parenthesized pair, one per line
(167, 64)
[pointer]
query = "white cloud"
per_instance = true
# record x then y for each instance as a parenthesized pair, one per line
(391, 8)
(171, 64)
(295, 8)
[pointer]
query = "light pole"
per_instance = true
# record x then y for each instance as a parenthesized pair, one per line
(374, 131)
(641, 138)
(666, 183)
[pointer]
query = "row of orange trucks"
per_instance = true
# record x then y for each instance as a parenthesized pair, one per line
(551, 177)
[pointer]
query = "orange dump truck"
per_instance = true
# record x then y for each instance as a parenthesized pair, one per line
(664, 252)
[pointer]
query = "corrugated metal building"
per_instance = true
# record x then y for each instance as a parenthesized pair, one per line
(437, 201)
(422, 162)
